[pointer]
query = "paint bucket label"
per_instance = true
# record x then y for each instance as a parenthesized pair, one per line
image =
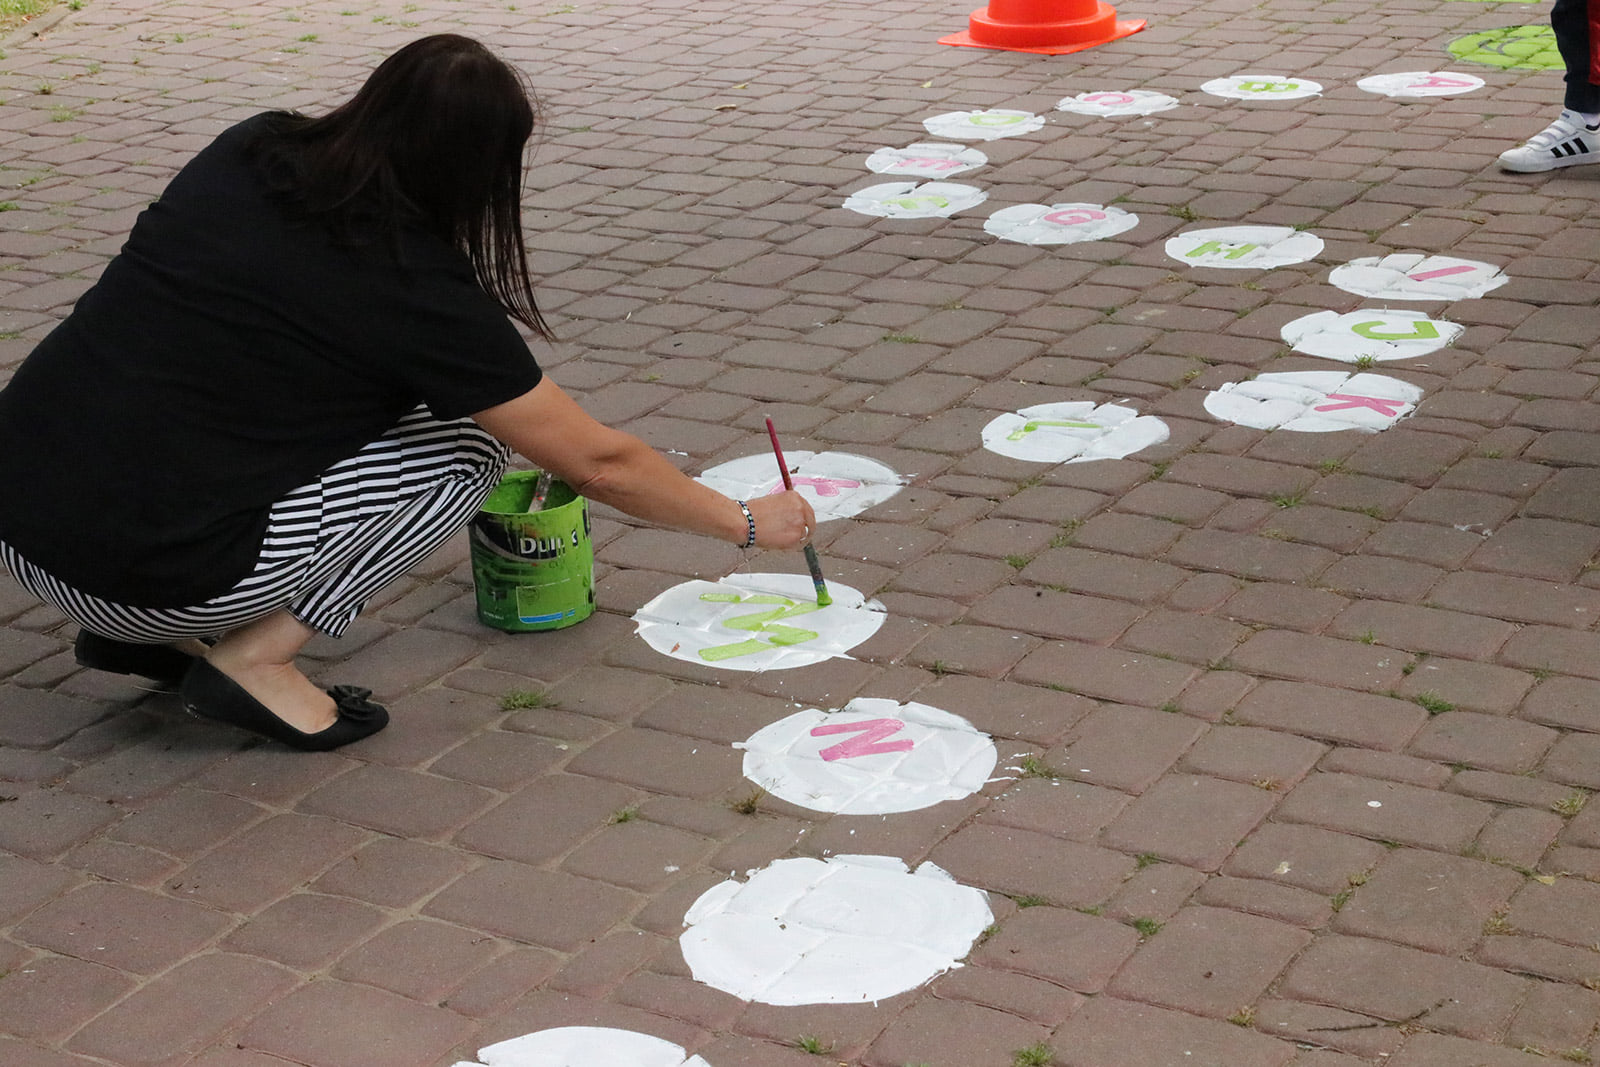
(532, 570)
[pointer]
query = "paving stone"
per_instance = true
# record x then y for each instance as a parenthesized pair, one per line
(1022, 863)
(34, 718)
(1199, 961)
(660, 762)
(1323, 660)
(1266, 759)
(1327, 1028)
(971, 1033)
(1124, 748)
(1298, 907)
(52, 996)
(396, 801)
(1488, 741)
(1016, 994)
(1392, 982)
(1420, 629)
(1057, 806)
(1105, 673)
(1191, 820)
(1387, 811)
(122, 927)
(1555, 1017)
(417, 959)
(306, 931)
(1109, 1032)
(1332, 714)
(1077, 951)
(1428, 900)
(1472, 686)
(490, 898)
(44, 823)
(1289, 607)
(547, 818)
(1441, 1050)
(335, 1022)
(183, 1010)
(266, 861)
(493, 988)
(1557, 911)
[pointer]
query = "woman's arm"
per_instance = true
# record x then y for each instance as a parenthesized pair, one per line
(548, 427)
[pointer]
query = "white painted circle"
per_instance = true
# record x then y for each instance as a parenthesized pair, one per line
(836, 484)
(844, 930)
(1114, 103)
(1072, 432)
(1244, 247)
(1379, 335)
(1419, 83)
(1058, 224)
(757, 622)
(1256, 86)
(871, 757)
(1315, 401)
(585, 1046)
(908, 200)
(1413, 276)
(926, 160)
(983, 125)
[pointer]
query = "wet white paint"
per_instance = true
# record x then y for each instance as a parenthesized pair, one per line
(1072, 432)
(1417, 84)
(983, 125)
(1315, 401)
(837, 484)
(926, 160)
(585, 1046)
(1244, 247)
(871, 757)
(1414, 276)
(1058, 224)
(757, 622)
(1379, 335)
(909, 200)
(1257, 86)
(845, 930)
(1117, 103)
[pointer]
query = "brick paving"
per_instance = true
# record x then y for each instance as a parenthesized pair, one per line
(1305, 722)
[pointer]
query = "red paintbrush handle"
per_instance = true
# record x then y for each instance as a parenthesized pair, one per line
(777, 450)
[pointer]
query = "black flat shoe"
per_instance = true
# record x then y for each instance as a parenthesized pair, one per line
(163, 663)
(210, 694)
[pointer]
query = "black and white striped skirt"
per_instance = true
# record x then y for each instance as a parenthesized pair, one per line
(330, 545)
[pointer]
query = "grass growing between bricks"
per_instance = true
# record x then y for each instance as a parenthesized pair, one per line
(518, 699)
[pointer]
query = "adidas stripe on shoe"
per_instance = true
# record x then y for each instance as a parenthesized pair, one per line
(1566, 142)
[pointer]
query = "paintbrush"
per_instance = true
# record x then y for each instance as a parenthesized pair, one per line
(823, 599)
(541, 489)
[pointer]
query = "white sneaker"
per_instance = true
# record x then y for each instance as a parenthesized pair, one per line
(1567, 142)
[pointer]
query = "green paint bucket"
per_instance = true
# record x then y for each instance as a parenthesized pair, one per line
(533, 570)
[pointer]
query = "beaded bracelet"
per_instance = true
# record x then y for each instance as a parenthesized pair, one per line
(750, 521)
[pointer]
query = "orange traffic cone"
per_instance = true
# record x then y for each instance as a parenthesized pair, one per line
(1048, 27)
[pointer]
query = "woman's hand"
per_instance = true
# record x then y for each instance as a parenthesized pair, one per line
(783, 520)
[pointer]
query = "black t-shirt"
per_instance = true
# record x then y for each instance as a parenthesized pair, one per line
(227, 356)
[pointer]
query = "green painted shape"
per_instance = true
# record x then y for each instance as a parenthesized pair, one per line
(918, 203)
(741, 648)
(1514, 47)
(1229, 250)
(1421, 331)
(1029, 427)
(762, 622)
(789, 635)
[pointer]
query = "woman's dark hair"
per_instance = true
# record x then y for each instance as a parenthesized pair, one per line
(434, 137)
